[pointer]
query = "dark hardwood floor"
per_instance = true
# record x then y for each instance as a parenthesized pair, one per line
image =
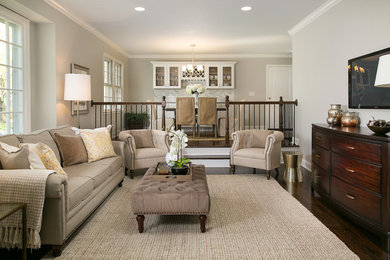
(360, 241)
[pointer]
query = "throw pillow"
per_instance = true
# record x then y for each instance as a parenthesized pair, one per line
(34, 160)
(47, 156)
(18, 159)
(71, 148)
(143, 138)
(98, 143)
(259, 137)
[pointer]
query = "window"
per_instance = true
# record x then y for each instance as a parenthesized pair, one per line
(113, 80)
(13, 77)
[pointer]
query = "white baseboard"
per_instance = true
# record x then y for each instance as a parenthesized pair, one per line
(306, 164)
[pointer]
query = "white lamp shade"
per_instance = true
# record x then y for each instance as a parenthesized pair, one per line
(77, 87)
(383, 72)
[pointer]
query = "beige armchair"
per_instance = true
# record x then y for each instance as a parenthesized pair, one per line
(144, 148)
(256, 148)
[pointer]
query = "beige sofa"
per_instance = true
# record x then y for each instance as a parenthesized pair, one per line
(70, 200)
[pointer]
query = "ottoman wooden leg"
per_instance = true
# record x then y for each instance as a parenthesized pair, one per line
(140, 220)
(202, 219)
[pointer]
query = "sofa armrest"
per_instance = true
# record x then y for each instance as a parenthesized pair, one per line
(54, 184)
(129, 148)
(161, 140)
(119, 148)
(272, 150)
(240, 140)
(272, 139)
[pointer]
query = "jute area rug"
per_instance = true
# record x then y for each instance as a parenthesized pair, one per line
(250, 218)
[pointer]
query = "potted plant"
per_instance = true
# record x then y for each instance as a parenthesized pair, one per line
(135, 120)
(175, 159)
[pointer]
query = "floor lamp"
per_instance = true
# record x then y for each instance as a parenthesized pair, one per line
(77, 88)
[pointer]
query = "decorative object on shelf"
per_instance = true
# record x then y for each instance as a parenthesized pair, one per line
(350, 119)
(195, 90)
(78, 88)
(334, 115)
(175, 159)
(192, 70)
(380, 127)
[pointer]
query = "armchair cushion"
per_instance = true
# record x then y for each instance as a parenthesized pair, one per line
(149, 153)
(259, 137)
(254, 153)
(143, 138)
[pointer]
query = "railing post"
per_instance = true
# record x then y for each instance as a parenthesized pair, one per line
(163, 105)
(227, 120)
(281, 114)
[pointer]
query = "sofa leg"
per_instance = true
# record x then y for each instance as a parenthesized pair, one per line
(254, 170)
(202, 219)
(277, 173)
(131, 173)
(140, 220)
(120, 184)
(57, 250)
(268, 174)
(232, 169)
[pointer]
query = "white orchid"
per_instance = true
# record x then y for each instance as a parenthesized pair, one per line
(179, 141)
(195, 88)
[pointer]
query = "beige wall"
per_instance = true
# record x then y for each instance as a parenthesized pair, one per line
(73, 44)
(320, 55)
(250, 76)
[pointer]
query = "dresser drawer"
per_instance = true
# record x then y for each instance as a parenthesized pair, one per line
(357, 172)
(321, 139)
(362, 202)
(320, 178)
(359, 149)
(321, 157)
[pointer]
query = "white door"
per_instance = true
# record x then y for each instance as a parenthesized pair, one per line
(278, 84)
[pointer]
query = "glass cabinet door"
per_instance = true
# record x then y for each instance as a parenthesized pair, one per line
(160, 76)
(174, 76)
(213, 76)
(227, 76)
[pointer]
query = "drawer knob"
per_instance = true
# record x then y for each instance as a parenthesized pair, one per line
(350, 147)
(349, 196)
(317, 155)
(318, 137)
(348, 170)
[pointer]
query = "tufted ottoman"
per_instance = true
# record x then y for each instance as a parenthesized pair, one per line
(172, 198)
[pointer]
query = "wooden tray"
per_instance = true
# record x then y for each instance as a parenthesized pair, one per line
(170, 177)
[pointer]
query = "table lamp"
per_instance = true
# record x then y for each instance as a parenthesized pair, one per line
(383, 72)
(77, 88)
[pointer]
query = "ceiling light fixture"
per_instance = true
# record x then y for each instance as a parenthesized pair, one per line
(192, 70)
(246, 8)
(140, 9)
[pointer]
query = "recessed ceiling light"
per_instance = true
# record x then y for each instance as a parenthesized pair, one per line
(246, 8)
(140, 9)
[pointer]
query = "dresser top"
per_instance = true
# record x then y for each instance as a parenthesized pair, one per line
(362, 132)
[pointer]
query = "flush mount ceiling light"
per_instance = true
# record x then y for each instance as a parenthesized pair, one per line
(246, 8)
(140, 9)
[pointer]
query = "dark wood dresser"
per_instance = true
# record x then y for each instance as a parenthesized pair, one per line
(351, 168)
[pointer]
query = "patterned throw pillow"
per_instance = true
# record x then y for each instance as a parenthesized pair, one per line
(48, 157)
(98, 143)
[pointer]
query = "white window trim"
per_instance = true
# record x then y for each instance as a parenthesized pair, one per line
(10, 15)
(107, 56)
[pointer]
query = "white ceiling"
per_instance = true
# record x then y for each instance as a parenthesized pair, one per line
(168, 27)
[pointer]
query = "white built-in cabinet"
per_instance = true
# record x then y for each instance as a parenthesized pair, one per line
(217, 75)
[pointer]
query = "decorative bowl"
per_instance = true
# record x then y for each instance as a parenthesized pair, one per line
(380, 130)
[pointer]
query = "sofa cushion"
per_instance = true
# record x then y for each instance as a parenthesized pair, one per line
(10, 139)
(146, 153)
(79, 188)
(43, 137)
(98, 143)
(254, 153)
(62, 130)
(143, 138)
(71, 148)
(15, 160)
(259, 137)
(98, 171)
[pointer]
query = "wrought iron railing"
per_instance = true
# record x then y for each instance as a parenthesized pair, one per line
(232, 116)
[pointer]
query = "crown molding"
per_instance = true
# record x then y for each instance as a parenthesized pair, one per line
(313, 16)
(86, 26)
(210, 56)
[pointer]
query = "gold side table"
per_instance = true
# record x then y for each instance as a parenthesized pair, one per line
(292, 166)
(7, 209)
